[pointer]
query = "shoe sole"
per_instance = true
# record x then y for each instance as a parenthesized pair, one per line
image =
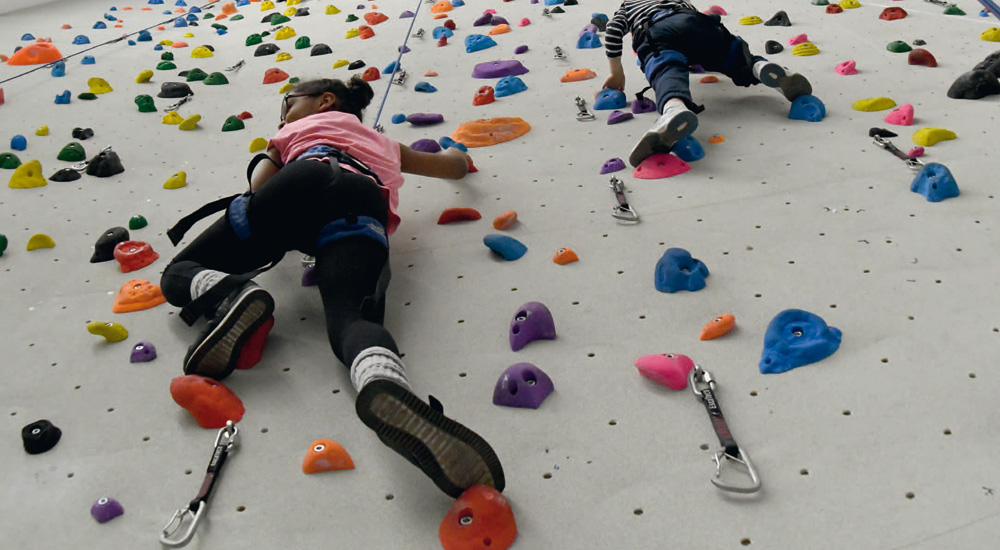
(679, 127)
(219, 351)
(794, 86)
(453, 456)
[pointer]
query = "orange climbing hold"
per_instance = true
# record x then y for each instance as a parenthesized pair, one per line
(374, 17)
(505, 220)
(440, 16)
(499, 29)
(441, 6)
(325, 455)
(480, 518)
(576, 75)
(209, 402)
(229, 8)
(720, 326)
(430, 73)
(710, 79)
(490, 131)
(137, 295)
(484, 96)
(274, 75)
(717, 138)
(179, 44)
(365, 32)
(565, 256)
(35, 54)
(452, 215)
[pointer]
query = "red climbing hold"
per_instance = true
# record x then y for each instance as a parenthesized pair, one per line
(483, 96)
(209, 402)
(458, 215)
(133, 255)
(443, 41)
(370, 74)
(374, 18)
(893, 13)
(920, 56)
(365, 32)
(450, 24)
(244, 115)
(253, 349)
(274, 75)
(834, 8)
(480, 518)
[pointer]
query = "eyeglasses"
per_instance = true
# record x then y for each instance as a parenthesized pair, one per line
(284, 102)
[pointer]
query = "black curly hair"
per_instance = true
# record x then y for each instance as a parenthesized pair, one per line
(353, 96)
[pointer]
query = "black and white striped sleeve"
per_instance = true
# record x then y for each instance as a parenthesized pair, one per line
(614, 33)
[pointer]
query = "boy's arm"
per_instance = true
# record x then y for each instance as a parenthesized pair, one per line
(264, 170)
(613, 35)
(453, 164)
(617, 78)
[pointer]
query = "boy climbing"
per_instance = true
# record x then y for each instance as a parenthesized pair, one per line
(328, 187)
(669, 36)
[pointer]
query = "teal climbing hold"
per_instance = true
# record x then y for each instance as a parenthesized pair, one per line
(508, 248)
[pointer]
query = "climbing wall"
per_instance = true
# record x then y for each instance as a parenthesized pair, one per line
(887, 443)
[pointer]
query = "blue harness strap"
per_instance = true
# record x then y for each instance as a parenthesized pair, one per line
(364, 226)
(237, 215)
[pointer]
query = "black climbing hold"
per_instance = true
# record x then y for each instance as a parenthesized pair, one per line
(301, 12)
(266, 49)
(557, 9)
(105, 165)
(40, 436)
(919, 42)
(356, 65)
(104, 248)
(881, 132)
(599, 22)
(66, 174)
(773, 47)
(209, 46)
(974, 85)
(87, 96)
(82, 133)
(779, 19)
(990, 64)
(570, 3)
(174, 89)
(320, 49)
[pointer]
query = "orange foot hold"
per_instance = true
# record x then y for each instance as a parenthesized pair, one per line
(209, 402)
(490, 131)
(565, 256)
(137, 295)
(35, 54)
(720, 326)
(505, 220)
(480, 518)
(575, 75)
(325, 455)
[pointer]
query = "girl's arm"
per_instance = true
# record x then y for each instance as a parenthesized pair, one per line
(264, 170)
(453, 164)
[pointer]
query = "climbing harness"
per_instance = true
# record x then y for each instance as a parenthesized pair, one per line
(174, 533)
(177, 105)
(880, 135)
(622, 211)
(703, 385)
(584, 115)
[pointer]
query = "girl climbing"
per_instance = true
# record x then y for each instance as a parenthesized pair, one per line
(669, 36)
(328, 187)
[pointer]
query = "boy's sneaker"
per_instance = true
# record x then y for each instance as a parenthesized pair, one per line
(453, 456)
(675, 124)
(769, 74)
(217, 350)
(795, 85)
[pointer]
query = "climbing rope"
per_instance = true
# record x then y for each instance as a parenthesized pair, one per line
(395, 68)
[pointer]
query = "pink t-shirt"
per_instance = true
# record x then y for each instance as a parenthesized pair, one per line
(345, 132)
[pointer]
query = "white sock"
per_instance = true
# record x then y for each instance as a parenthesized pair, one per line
(377, 363)
(205, 280)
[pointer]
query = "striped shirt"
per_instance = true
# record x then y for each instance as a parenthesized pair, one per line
(628, 18)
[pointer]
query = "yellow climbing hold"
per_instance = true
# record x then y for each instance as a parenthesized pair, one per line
(293, 2)
(990, 35)
(332, 10)
(873, 104)
(351, 33)
(166, 42)
(42, 131)
(285, 32)
(99, 86)
(930, 136)
(172, 118)
(266, 5)
(176, 181)
(112, 332)
(290, 12)
(849, 4)
(340, 63)
(189, 35)
(190, 123)
(258, 144)
(40, 240)
(144, 77)
(28, 175)
(805, 48)
(201, 51)
(283, 56)
(751, 20)
(286, 88)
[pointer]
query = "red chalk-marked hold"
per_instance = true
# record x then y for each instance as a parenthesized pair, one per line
(209, 402)
(253, 349)
(452, 215)
(481, 518)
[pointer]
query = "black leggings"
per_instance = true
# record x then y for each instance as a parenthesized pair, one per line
(287, 214)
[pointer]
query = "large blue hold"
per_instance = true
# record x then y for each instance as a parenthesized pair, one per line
(81, 39)
(457, 3)
(935, 182)
(390, 68)
(18, 143)
(63, 98)
(144, 36)
(180, 22)
(509, 85)
(194, 9)
(508, 247)
(100, 25)
(795, 338)
(588, 41)
(688, 149)
(477, 42)
(424, 86)
(677, 271)
(807, 107)
(192, 18)
(438, 32)
(609, 99)
(59, 68)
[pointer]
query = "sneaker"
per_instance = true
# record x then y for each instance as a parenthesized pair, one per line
(769, 74)
(453, 456)
(795, 85)
(217, 349)
(675, 124)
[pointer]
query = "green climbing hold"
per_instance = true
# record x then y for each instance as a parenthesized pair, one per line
(293, 80)
(954, 10)
(232, 124)
(145, 103)
(236, 17)
(265, 33)
(898, 46)
(216, 79)
(209, 15)
(87, 96)
(196, 74)
(278, 19)
(220, 27)
(167, 56)
(254, 39)
(165, 66)
(302, 43)
(72, 152)
(820, 3)
(137, 222)
(351, 18)
(9, 161)
(3, 243)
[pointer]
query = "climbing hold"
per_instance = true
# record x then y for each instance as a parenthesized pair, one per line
(332, 10)
(87, 96)
(498, 69)
(232, 123)
(848, 67)
(666, 369)
(772, 47)
(365, 32)
(486, 132)
(710, 79)
(112, 332)
(795, 338)
(504, 221)
(425, 146)
(930, 136)
(920, 56)
(608, 99)
(441, 6)
(485, 19)
(40, 436)
(59, 69)
(370, 74)
(935, 182)
(35, 54)
(990, 63)
(357, 64)
(902, 115)
(532, 321)
(176, 181)
(40, 240)
(975, 84)
(873, 104)
(915, 152)
(660, 165)
(502, 28)
(688, 149)
(508, 248)
(105, 164)
(798, 39)
(643, 105)
(133, 255)
(172, 118)
(805, 48)
(779, 19)
(165, 66)
(452, 215)
(351, 18)
(484, 96)
(9, 161)
(443, 41)
(849, 4)
(576, 75)
(808, 108)
(952, 9)
(3, 243)
(712, 10)
(274, 75)
(751, 20)
(718, 327)
(99, 86)
(446, 143)
(27, 175)
(834, 9)
(477, 42)
(18, 143)
(82, 134)
(509, 85)
(893, 13)
(201, 52)
(137, 222)
(72, 152)
(374, 17)
(898, 46)
(167, 56)
(325, 455)
(398, 118)
(209, 402)
(676, 270)
(106, 243)
(990, 35)
(612, 165)
(302, 43)
(445, 32)
(524, 23)
(616, 117)
(144, 76)
(216, 79)
(174, 90)
(407, 14)
(522, 385)
(258, 144)
(137, 295)
(284, 33)
(194, 75)
(106, 509)
(425, 119)
(481, 517)
(588, 41)
(565, 256)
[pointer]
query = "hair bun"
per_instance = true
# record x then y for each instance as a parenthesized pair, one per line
(360, 92)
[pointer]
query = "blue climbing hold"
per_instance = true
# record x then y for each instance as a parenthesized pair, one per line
(88, 60)
(144, 36)
(457, 3)
(112, 8)
(476, 42)
(110, 17)
(795, 338)
(131, 42)
(425, 87)
(194, 9)
(183, 4)
(154, 2)
(167, 12)
(243, 3)
(508, 247)
(63, 98)
(935, 182)
(600, 16)
(398, 118)
(180, 22)
(609, 99)
(158, 47)
(18, 143)
(553, 2)
(191, 17)
(59, 68)
(807, 107)
(81, 39)
(27, 36)
(390, 68)
(509, 85)
(446, 142)
(441, 31)
(221, 32)
(688, 149)
(677, 271)
(100, 25)
(588, 41)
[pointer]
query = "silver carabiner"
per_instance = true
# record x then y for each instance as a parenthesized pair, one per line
(82, 165)
(177, 105)
(623, 211)
(743, 459)
(584, 114)
(176, 537)
(237, 66)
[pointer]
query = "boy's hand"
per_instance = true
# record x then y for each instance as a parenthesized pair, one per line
(615, 81)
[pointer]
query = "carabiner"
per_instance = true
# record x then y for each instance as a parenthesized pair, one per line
(175, 537)
(623, 211)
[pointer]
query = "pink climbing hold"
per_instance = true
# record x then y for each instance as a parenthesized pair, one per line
(490, 11)
(799, 39)
(917, 151)
(715, 10)
(667, 369)
(902, 115)
(524, 22)
(660, 165)
(847, 68)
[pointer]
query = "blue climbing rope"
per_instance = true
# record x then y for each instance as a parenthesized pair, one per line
(395, 68)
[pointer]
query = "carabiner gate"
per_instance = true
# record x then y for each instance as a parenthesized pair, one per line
(176, 537)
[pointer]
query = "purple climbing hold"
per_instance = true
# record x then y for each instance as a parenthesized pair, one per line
(497, 20)
(617, 116)
(106, 509)
(406, 14)
(142, 352)
(425, 146)
(697, 69)
(499, 69)
(483, 20)
(589, 28)
(309, 276)
(613, 165)
(522, 385)
(425, 119)
(533, 321)
(643, 105)
(520, 49)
